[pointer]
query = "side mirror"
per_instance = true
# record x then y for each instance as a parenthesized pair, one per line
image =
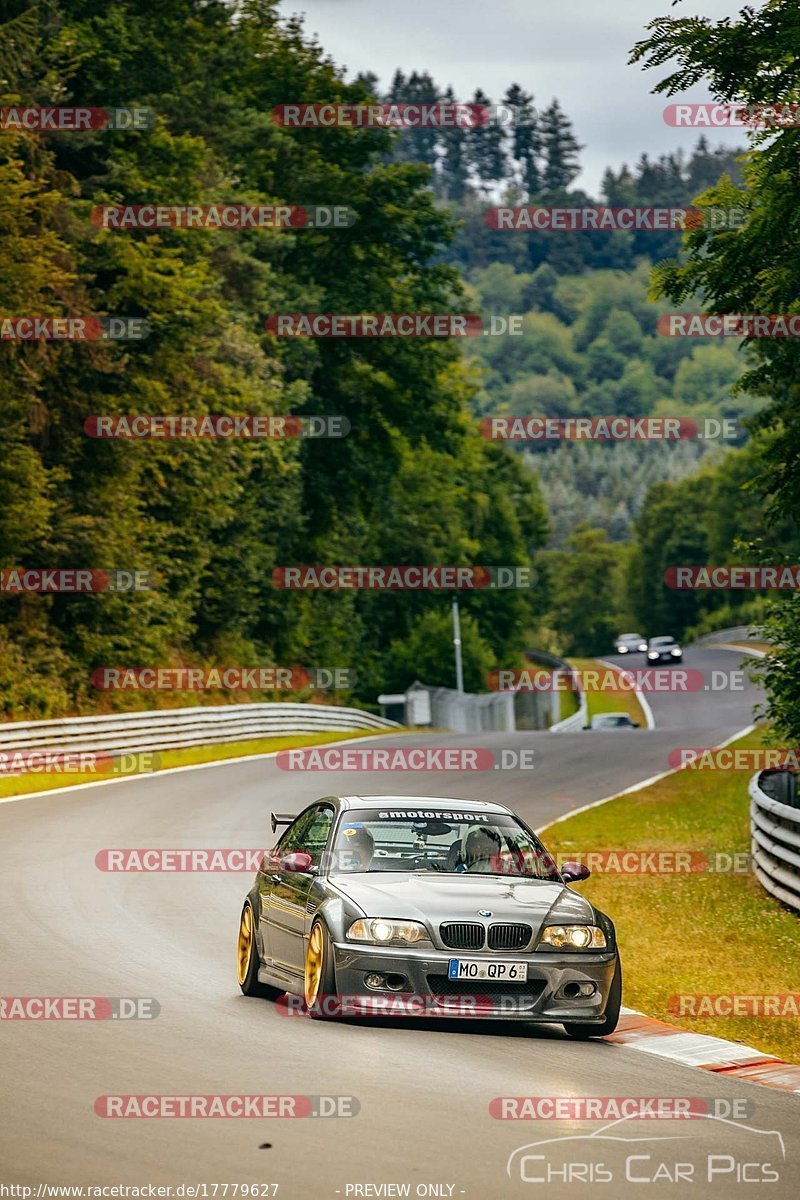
(574, 872)
(299, 861)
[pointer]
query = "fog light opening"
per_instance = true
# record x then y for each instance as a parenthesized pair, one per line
(575, 988)
(395, 982)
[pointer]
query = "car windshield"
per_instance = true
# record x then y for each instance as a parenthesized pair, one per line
(449, 841)
(666, 641)
(630, 637)
(613, 721)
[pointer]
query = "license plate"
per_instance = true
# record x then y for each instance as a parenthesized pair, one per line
(474, 968)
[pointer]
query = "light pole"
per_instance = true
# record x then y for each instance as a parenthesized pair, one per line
(457, 645)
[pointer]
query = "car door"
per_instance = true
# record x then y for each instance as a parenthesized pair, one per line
(288, 893)
(270, 877)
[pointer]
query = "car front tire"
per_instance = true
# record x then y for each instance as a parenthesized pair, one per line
(580, 1031)
(319, 976)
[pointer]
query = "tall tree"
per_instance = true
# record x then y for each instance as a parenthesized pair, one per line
(560, 149)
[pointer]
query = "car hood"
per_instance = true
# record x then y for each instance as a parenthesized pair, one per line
(425, 896)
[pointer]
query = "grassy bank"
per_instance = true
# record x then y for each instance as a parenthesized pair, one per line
(704, 932)
(622, 700)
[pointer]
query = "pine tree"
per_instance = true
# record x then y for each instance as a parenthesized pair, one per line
(452, 173)
(486, 146)
(525, 140)
(560, 148)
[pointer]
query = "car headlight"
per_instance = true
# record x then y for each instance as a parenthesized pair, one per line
(572, 937)
(382, 933)
(675, 650)
(642, 647)
(622, 649)
(652, 654)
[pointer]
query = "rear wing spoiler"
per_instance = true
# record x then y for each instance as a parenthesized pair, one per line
(276, 819)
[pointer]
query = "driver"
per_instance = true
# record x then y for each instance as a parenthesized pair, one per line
(481, 847)
(358, 846)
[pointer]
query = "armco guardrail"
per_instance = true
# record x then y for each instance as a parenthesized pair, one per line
(579, 718)
(775, 835)
(171, 728)
(738, 633)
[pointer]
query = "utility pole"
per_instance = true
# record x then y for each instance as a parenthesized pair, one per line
(457, 645)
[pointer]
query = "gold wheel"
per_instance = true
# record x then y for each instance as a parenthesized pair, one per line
(315, 962)
(245, 943)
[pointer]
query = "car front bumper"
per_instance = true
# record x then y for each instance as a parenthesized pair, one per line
(426, 989)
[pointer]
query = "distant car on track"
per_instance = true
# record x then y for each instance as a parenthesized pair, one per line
(631, 643)
(449, 901)
(664, 649)
(612, 720)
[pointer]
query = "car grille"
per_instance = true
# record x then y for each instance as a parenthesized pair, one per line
(462, 935)
(509, 937)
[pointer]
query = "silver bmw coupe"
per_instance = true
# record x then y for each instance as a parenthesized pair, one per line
(399, 905)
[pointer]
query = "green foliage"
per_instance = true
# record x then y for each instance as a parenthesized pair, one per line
(413, 483)
(428, 654)
(584, 587)
(752, 60)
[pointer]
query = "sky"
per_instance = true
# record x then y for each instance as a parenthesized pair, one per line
(576, 50)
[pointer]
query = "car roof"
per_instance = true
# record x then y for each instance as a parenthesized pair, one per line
(417, 802)
(662, 639)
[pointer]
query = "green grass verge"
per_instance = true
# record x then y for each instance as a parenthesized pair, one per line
(18, 785)
(567, 705)
(692, 933)
(605, 701)
(764, 647)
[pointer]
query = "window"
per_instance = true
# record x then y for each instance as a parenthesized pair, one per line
(309, 832)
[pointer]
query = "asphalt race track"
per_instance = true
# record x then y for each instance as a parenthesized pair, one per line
(423, 1087)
